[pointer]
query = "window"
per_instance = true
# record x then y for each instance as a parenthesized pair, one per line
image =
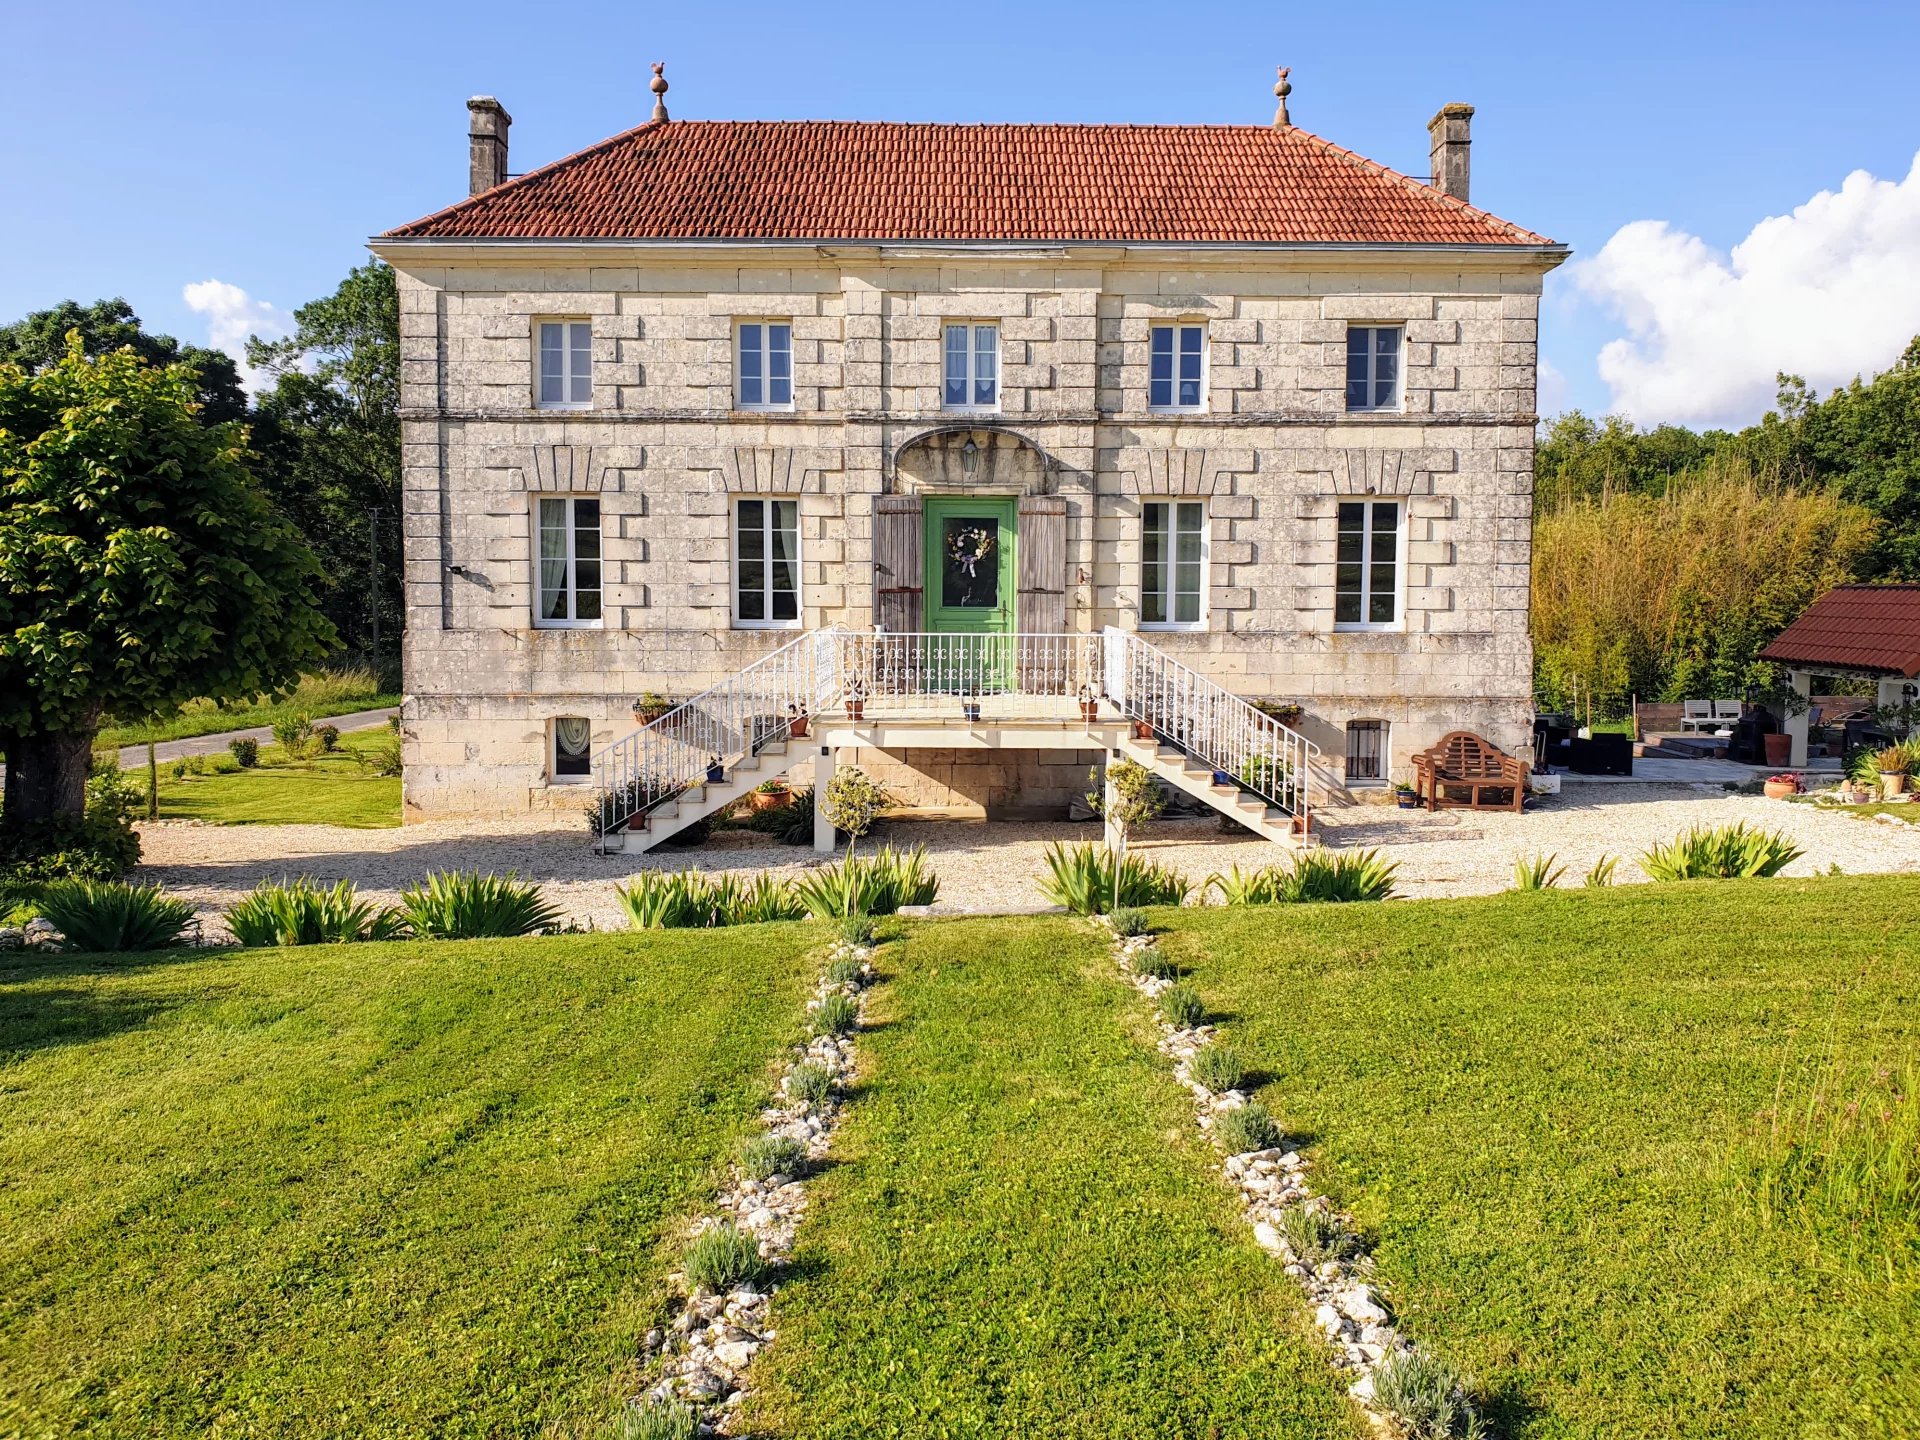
(1173, 554)
(572, 751)
(1366, 578)
(766, 562)
(764, 365)
(566, 364)
(1366, 752)
(569, 562)
(1373, 367)
(1175, 357)
(972, 368)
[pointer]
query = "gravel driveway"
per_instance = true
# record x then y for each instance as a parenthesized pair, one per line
(993, 865)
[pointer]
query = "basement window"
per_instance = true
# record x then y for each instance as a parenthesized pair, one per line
(1366, 752)
(572, 750)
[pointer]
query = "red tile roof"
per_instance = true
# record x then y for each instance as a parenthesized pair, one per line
(1870, 628)
(855, 181)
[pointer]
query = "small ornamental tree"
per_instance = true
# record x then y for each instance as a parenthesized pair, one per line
(852, 802)
(140, 567)
(1130, 797)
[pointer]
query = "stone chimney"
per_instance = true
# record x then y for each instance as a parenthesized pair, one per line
(487, 122)
(1447, 155)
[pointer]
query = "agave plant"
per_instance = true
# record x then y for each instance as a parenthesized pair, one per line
(106, 916)
(1601, 875)
(877, 884)
(1245, 887)
(300, 912)
(1538, 872)
(666, 900)
(461, 905)
(1082, 878)
(1731, 852)
(761, 899)
(1313, 877)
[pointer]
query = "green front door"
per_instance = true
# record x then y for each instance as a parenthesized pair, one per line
(970, 566)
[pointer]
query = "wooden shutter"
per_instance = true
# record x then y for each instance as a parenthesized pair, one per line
(897, 566)
(1042, 608)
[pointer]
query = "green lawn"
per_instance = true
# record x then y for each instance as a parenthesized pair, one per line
(377, 1190)
(316, 697)
(330, 789)
(1024, 1236)
(1543, 1107)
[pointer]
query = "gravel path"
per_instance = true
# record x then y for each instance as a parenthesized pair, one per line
(992, 866)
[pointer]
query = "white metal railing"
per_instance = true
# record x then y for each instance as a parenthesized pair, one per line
(717, 728)
(1212, 724)
(924, 672)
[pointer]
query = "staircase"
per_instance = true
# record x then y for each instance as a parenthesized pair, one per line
(1114, 691)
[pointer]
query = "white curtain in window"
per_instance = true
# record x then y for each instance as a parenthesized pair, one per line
(572, 735)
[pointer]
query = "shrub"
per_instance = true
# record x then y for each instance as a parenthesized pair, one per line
(302, 913)
(810, 1084)
(1427, 1397)
(1314, 877)
(765, 1156)
(1246, 1127)
(461, 905)
(878, 884)
(328, 738)
(1217, 1067)
(104, 916)
(295, 735)
(1247, 887)
(836, 1014)
(843, 970)
(1731, 852)
(1182, 1005)
(1153, 961)
(857, 929)
(792, 823)
(99, 844)
(1314, 1236)
(246, 751)
(1601, 875)
(853, 801)
(1128, 920)
(178, 769)
(389, 756)
(1542, 872)
(1081, 877)
(721, 1258)
(667, 900)
(657, 1420)
(759, 901)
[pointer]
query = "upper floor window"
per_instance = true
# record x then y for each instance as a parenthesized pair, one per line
(766, 562)
(1373, 367)
(1173, 556)
(972, 368)
(572, 762)
(1176, 360)
(1366, 581)
(569, 564)
(763, 365)
(566, 364)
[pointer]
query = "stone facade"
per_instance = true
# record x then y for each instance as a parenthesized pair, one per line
(664, 448)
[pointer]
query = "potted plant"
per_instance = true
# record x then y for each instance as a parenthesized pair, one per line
(856, 697)
(770, 795)
(1142, 730)
(1285, 711)
(650, 707)
(796, 722)
(1404, 796)
(1891, 763)
(1089, 704)
(1779, 787)
(716, 771)
(970, 706)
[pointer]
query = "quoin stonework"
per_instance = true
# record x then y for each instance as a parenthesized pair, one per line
(706, 386)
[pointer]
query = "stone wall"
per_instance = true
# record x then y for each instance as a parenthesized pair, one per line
(665, 451)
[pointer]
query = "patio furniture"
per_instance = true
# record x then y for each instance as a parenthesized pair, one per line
(1464, 761)
(1728, 712)
(1696, 714)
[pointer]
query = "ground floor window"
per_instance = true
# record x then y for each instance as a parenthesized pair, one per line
(572, 750)
(766, 562)
(1173, 552)
(1366, 752)
(1366, 584)
(569, 565)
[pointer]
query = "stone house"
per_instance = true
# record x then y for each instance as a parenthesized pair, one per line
(1228, 400)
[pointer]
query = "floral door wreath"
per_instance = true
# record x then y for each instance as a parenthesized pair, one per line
(968, 546)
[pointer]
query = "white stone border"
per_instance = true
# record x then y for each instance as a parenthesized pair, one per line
(1357, 1326)
(703, 1355)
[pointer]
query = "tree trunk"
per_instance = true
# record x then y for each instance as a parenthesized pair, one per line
(46, 776)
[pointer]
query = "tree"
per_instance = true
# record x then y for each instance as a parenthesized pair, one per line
(40, 340)
(329, 433)
(852, 803)
(140, 566)
(1129, 798)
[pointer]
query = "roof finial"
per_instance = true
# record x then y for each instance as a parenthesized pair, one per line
(659, 87)
(1281, 90)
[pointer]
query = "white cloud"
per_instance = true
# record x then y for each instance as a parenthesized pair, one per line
(1554, 391)
(1828, 292)
(233, 316)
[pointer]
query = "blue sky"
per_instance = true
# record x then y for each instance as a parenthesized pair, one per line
(146, 148)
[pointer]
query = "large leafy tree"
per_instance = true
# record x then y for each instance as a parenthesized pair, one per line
(40, 340)
(329, 432)
(140, 566)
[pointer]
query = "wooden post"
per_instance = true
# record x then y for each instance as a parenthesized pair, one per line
(153, 784)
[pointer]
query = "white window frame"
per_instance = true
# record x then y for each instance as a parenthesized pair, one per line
(1398, 399)
(766, 584)
(1177, 329)
(973, 329)
(1169, 564)
(766, 353)
(1367, 562)
(1384, 778)
(554, 777)
(568, 371)
(572, 564)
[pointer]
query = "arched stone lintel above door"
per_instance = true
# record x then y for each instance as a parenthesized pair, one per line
(963, 456)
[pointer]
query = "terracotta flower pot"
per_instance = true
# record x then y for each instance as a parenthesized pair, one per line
(1089, 710)
(1892, 783)
(1780, 789)
(797, 727)
(1142, 730)
(1778, 748)
(856, 709)
(769, 799)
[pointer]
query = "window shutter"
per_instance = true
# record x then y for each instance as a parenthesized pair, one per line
(896, 562)
(1042, 608)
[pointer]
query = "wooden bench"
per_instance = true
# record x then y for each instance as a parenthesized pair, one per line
(1463, 761)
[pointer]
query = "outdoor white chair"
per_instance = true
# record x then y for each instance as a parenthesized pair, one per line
(1695, 714)
(1726, 712)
